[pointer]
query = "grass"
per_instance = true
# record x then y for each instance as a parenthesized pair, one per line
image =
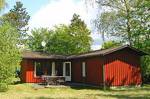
(26, 91)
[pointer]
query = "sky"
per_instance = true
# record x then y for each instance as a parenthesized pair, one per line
(48, 13)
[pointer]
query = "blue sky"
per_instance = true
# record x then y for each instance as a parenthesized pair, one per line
(47, 13)
(32, 6)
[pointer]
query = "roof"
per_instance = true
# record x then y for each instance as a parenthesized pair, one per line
(41, 55)
(107, 51)
(103, 52)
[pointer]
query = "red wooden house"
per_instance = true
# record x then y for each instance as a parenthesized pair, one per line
(111, 67)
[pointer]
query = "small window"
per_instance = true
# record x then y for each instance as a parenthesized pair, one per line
(38, 69)
(83, 69)
(67, 69)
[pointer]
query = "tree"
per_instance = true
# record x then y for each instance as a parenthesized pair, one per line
(2, 4)
(81, 34)
(142, 35)
(121, 15)
(105, 23)
(110, 44)
(37, 37)
(63, 39)
(9, 54)
(18, 17)
(58, 41)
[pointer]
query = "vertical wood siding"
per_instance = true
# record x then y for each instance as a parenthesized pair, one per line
(93, 71)
(122, 68)
(27, 72)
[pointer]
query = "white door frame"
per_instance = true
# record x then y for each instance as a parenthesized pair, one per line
(67, 78)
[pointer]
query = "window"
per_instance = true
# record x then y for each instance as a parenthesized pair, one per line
(49, 68)
(67, 69)
(38, 69)
(83, 69)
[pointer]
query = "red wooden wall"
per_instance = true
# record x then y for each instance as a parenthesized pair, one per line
(93, 71)
(27, 72)
(122, 68)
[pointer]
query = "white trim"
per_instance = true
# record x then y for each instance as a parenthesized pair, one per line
(64, 70)
(83, 69)
(35, 69)
(35, 64)
(53, 69)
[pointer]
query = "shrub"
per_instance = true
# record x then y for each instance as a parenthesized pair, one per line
(9, 54)
(3, 87)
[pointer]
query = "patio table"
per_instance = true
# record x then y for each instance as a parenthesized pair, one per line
(53, 80)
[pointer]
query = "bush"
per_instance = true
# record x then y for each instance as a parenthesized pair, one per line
(3, 87)
(146, 69)
(9, 54)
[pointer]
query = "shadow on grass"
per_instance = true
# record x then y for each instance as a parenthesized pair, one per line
(17, 82)
(38, 98)
(49, 98)
(130, 89)
(118, 96)
(86, 87)
(81, 86)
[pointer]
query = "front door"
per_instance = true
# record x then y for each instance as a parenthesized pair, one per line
(67, 71)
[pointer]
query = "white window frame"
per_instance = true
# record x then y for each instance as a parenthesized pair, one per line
(35, 76)
(53, 68)
(35, 69)
(83, 69)
(67, 78)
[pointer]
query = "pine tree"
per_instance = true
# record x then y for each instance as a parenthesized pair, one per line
(81, 34)
(18, 17)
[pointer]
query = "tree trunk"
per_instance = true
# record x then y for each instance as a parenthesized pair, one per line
(128, 22)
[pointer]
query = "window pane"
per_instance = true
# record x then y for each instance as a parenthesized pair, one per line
(59, 69)
(39, 69)
(83, 69)
(49, 69)
(67, 69)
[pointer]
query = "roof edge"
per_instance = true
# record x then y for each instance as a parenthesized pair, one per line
(86, 54)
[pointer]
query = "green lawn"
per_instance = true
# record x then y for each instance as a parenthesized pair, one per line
(26, 91)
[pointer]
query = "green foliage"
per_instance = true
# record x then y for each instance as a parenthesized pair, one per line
(9, 54)
(123, 19)
(63, 39)
(3, 87)
(146, 68)
(105, 23)
(37, 37)
(18, 17)
(110, 44)
(81, 34)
